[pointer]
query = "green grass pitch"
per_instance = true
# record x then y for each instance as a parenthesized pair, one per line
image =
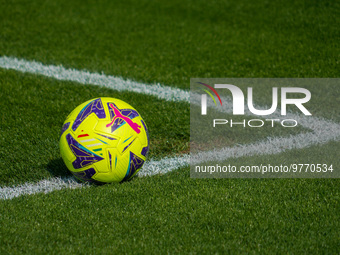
(167, 42)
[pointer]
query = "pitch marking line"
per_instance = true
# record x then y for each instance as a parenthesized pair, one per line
(86, 78)
(322, 131)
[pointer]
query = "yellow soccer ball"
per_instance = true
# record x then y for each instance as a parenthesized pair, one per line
(104, 140)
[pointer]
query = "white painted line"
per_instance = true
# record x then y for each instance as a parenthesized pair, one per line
(44, 186)
(151, 167)
(85, 77)
(163, 166)
(116, 83)
(322, 131)
(270, 146)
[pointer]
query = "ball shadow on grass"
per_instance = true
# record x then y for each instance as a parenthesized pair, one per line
(58, 168)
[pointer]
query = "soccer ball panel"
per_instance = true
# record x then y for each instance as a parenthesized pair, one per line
(104, 140)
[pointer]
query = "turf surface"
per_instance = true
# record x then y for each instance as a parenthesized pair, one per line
(167, 42)
(171, 42)
(186, 216)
